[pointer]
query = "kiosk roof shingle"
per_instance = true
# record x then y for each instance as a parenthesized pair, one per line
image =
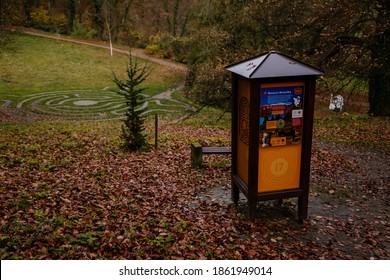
(273, 64)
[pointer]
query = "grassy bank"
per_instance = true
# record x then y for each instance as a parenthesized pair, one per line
(40, 65)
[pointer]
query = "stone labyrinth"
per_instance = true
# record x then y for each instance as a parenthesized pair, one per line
(86, 104)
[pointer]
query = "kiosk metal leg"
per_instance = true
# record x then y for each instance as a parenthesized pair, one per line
(252, 209)
(235, 194)
(302, 208)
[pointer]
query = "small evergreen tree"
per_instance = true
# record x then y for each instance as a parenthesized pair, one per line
(131, 89)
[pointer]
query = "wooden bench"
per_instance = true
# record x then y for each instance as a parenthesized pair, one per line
(197, 152)
(216, 150)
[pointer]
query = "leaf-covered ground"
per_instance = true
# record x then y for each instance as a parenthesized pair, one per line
(67, 191)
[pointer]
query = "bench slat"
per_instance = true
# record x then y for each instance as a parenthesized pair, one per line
(216, 150)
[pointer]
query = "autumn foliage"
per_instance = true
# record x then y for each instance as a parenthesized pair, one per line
(70, 192)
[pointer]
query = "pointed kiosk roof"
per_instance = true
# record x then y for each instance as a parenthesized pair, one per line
(272, 64)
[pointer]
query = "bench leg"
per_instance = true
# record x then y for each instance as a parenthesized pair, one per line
(196, 155)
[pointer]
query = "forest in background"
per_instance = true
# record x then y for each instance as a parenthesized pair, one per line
(348, 39)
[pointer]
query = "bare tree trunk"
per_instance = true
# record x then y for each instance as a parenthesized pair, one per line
(107, 16)
(379, 91)
(379, 76)
(175, 16)
(109, 36)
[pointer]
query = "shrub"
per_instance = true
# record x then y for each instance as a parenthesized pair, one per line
(132, 90)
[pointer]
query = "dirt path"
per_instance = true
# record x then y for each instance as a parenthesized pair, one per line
(136, 52)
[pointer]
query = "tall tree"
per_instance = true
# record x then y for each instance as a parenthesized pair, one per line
(97, 17)
(349, 39)
(11, 12)
(125, 22)
(27, 7)
(379, 46)
(107, 14)
(225, 31)
(71, 14)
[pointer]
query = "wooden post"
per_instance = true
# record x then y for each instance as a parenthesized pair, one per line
(155, 131)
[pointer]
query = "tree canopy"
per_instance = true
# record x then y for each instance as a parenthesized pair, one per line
(348, 39)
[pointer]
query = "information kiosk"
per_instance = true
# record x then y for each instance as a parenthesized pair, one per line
(272, 122)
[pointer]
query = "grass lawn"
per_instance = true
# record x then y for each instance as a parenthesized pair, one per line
(48, 77)
(40, 65)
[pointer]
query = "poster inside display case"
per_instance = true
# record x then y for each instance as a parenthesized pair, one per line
(281, 114)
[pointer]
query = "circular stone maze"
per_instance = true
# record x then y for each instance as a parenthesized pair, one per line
(84, 105)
